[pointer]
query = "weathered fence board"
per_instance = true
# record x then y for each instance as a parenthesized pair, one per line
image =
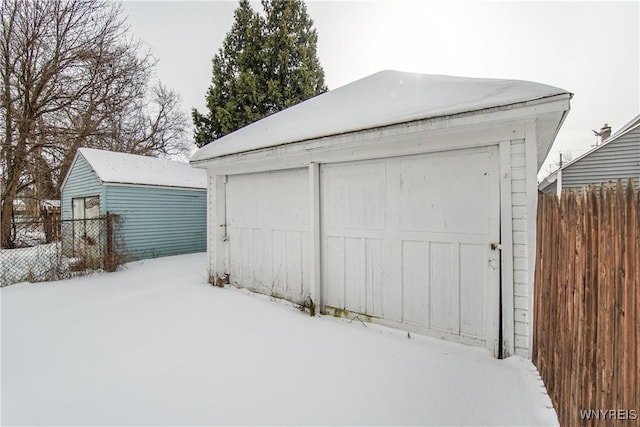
(587, 298)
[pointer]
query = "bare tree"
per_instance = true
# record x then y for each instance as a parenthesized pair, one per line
(72, 76)
(152, 125)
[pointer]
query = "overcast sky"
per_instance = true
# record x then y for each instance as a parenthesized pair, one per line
(591, 49)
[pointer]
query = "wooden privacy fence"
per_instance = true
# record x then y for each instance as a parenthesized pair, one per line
(587, 297)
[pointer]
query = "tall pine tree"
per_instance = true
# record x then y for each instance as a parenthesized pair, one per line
(265, 65)
(234, 97)
(293, 71)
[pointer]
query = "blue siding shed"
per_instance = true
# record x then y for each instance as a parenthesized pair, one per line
(162, 203)
(81, 181)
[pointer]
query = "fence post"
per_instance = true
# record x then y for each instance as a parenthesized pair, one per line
(109, 262)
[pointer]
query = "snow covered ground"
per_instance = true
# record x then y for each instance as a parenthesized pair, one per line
(155, 345)
(39, 262)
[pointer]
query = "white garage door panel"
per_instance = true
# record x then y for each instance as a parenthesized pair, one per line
(472, 285)
(413, 289)
(366, 188)
(354, 273)
(353, 266)
(373, 277)
(334, 271)
(461, 179)
(352, 242)
(407, 240)
(268, 232)
(246, 257)
(441, 283)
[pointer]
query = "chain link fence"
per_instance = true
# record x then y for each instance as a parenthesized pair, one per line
(59, 249)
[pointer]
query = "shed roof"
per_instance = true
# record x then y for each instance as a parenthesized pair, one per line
(123, 168)
(384, 98)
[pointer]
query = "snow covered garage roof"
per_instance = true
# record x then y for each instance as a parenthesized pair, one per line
(384, 98)
(122, 168)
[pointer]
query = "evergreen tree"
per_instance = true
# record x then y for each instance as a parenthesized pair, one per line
(293, 71)
(265, 65)
(233, 99)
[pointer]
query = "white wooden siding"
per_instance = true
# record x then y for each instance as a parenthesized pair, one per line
(520, 215)
(268, 232)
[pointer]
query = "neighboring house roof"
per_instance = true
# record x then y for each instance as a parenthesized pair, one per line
(549, 181)
(122, 168)
(382, 99)
(588, 174)
(633, 124)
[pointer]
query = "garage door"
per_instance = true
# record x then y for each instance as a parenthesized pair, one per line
(408, 240)
(268, 232)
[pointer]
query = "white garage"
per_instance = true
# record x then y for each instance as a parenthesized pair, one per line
(403, 199)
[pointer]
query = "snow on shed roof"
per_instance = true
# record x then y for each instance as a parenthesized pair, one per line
(123, 168)
(384, 98)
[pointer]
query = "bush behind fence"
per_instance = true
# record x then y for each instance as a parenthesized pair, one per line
(59, 249)
(587, 298)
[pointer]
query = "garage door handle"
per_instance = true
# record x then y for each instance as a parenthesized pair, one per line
(496, 246)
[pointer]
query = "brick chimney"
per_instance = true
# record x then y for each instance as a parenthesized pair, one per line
(605, 132)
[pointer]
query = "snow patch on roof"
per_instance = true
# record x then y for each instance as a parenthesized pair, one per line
(122, 168)
(384, 98)
(54, 203)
